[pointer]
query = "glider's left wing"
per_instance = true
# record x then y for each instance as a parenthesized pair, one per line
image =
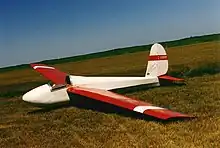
(126, 102)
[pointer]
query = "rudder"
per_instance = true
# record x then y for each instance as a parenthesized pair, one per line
(157, 61)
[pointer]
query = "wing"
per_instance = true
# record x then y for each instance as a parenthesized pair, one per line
(126, 102)
(50, 73)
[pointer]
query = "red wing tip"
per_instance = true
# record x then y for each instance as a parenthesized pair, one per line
(179, 117)
(165, 114)
(35, 64)
(183, 116)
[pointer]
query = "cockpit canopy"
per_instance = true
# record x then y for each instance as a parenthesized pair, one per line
(55, 86)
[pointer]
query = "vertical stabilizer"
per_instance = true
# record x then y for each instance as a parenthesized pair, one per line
(157, 61)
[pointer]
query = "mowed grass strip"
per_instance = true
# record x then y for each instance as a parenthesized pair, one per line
(75, 127)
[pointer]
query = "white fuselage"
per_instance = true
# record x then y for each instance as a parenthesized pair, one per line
(45, 94)
(110, 83)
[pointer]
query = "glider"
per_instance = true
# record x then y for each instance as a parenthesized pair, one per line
(99, 88)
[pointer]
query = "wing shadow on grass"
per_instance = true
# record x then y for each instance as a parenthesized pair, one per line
(48, 108)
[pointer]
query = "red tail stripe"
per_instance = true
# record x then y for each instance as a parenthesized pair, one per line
(157, 57)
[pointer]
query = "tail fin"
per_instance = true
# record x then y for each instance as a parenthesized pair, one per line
(157, 61)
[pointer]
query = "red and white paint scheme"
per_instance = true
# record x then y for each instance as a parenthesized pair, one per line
(98, 88)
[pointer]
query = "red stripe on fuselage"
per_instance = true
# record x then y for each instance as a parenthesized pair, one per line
(157, 57)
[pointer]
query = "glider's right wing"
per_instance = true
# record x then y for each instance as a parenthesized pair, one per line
(54, 75)
(126, 102)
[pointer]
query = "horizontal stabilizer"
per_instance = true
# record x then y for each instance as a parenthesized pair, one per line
(126, 102)
(50, 73)
(165, 77)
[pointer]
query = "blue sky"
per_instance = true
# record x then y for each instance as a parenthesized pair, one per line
(34, 30)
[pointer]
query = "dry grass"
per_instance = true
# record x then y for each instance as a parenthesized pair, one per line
(75, 127)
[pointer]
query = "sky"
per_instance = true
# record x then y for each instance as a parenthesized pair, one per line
(35, 30)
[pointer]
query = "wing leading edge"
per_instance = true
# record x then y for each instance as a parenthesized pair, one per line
(127, 103)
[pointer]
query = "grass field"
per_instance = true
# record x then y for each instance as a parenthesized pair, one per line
(22, 125)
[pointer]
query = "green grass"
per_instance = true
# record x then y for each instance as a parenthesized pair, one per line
(206, 69)
(22, 125)
(74, 127)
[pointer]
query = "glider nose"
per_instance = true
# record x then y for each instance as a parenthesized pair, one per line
(35, 95)
(29, 97)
